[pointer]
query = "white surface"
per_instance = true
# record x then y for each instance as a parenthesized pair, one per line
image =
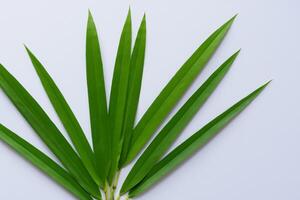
(256, 157)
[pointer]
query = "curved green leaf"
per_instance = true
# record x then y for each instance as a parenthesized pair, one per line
(134, 87)
(174, 127)
(118, 95)
(174, 90)
(66, 116)
(43, 162)
(192, 144)
(97, 101)
(46, 130)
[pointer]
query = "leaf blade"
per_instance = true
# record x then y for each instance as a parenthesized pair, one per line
(97, 101)
(193, 143)
(174, 90)
(134, 87)
(43, 162)
(66, 116)
(174, 127)
(118, 95)
(46, 130)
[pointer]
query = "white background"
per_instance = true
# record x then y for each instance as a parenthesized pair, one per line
(256, 157)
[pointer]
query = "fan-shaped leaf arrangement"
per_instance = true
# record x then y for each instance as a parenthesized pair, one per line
(90, 171)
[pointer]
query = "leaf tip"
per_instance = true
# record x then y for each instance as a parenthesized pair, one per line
(29, 52)
(234, 17)
(236, 53)
(267, 83)
(231, 20)
(90, 16)
(128, 18)
(234, 56)
(129, 12)
(143, 23)
(261, 88)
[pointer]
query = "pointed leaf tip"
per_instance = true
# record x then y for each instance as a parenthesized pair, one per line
(90, 15)
(28, 50)
(236, 54)
(266, 84)
(234, 17)
(25, 46)
(129, 12)
(231, 20)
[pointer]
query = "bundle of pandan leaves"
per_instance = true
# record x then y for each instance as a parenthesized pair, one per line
(91, 172)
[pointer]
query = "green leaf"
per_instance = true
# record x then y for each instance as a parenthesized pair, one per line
(134, 87)
(174, 127)
(97, 101)
(174, 90)
(43, 162)
(118, 95)
(46, 130)
(192, 144)
(67, 117)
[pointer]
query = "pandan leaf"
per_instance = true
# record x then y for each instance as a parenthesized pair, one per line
(174, 127)
(174, 90)
(88, 171)
(101, 134)
(66, 116)
(46, 130)
(134, 87)
(118, 95)
(192, 144)
(43, 162)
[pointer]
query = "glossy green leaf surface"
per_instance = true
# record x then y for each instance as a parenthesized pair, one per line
(46, 130)
(43, 162)
(134, 87)
(192, 144)
(174, 127)
(118, 95)
(174, 90)
(90, 171)
(101, 134)
(66, 116)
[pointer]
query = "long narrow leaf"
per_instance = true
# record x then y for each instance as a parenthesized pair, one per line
(192, 144)
(118, 95)
(66, 116)
(43, 162)
(97, 101)
(46, 130)
(134, 87)
(174, 127)
(174, 90)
